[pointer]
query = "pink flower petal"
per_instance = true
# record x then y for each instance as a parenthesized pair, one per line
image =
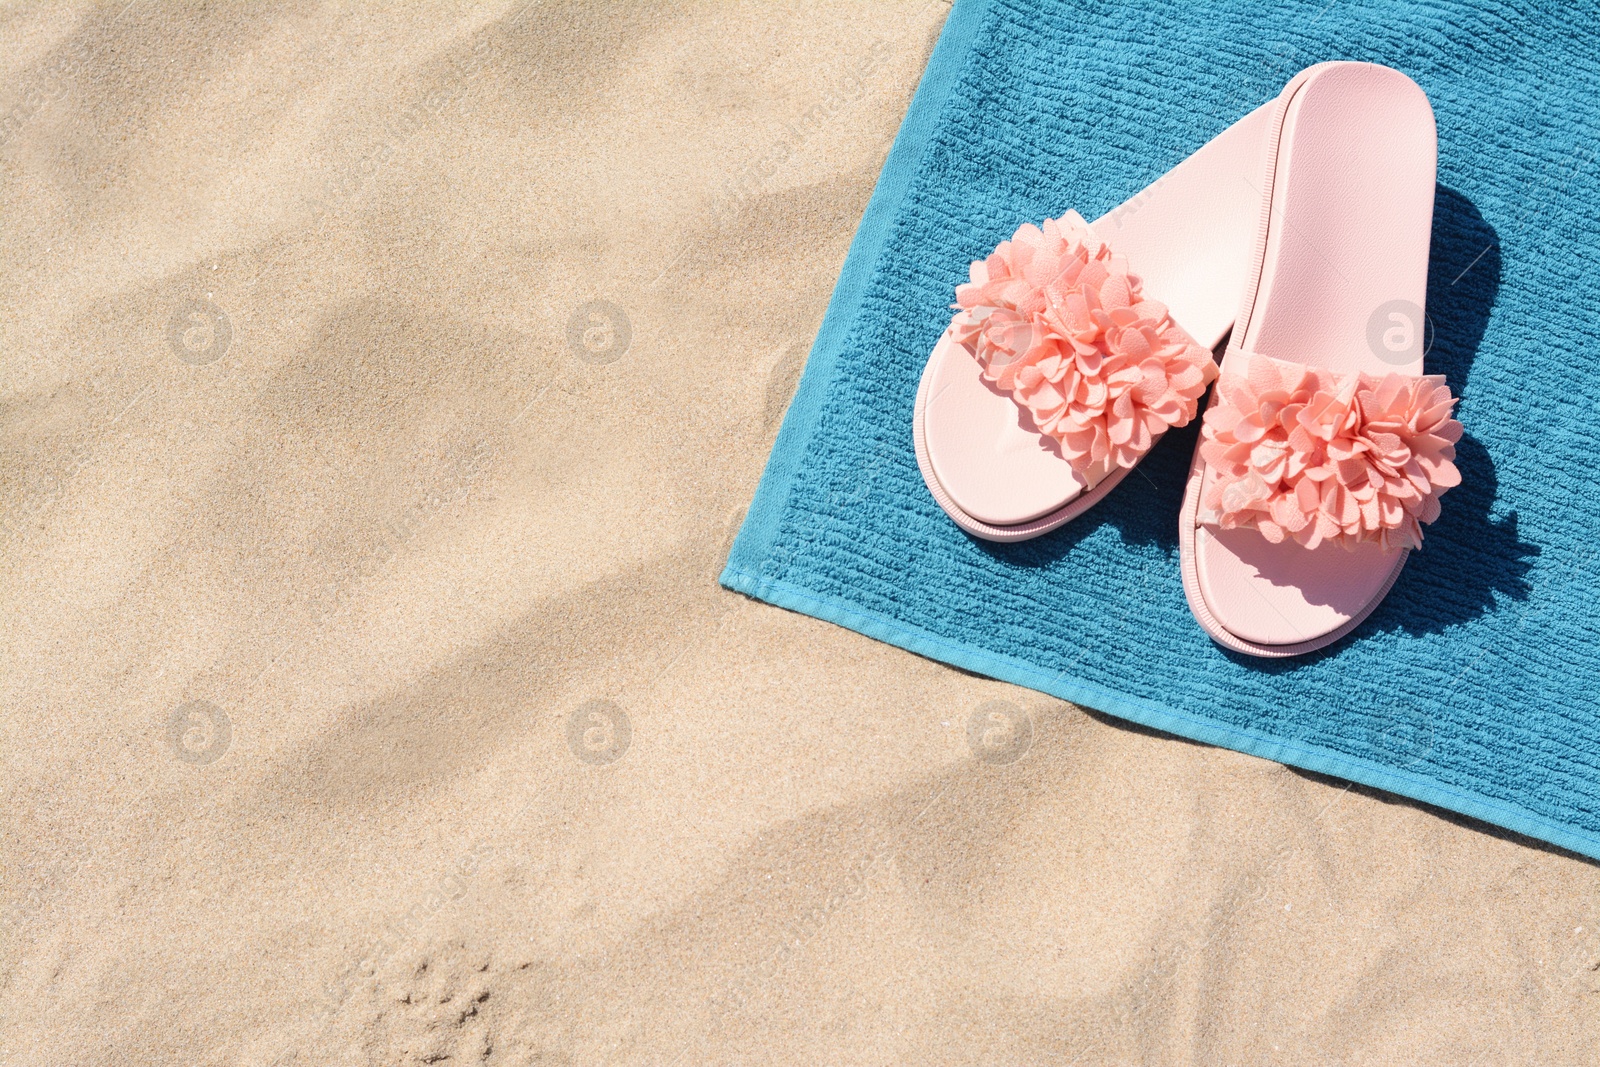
(1360, 458)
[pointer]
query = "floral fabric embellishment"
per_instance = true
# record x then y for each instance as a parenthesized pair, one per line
(1299, 452)
(1056, 320)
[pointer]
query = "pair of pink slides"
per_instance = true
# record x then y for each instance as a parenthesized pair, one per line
(1301, 233)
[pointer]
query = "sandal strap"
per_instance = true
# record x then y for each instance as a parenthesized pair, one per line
(1057, 320)
(1301, 452)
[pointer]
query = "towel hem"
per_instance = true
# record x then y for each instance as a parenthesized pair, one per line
(1149, 713)
(950, 55)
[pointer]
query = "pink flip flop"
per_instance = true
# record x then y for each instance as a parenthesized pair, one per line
(1078, 344)
(1324, 448)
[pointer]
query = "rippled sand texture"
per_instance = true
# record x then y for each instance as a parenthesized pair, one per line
(380, 393)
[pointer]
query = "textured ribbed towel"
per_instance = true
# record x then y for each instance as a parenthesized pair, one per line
(1474, 686)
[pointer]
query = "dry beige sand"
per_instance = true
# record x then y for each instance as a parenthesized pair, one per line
(330, 499)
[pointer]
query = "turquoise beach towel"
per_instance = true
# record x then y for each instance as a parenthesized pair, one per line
(1474, 686)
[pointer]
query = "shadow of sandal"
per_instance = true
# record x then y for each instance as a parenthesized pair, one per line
(1470, 557)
